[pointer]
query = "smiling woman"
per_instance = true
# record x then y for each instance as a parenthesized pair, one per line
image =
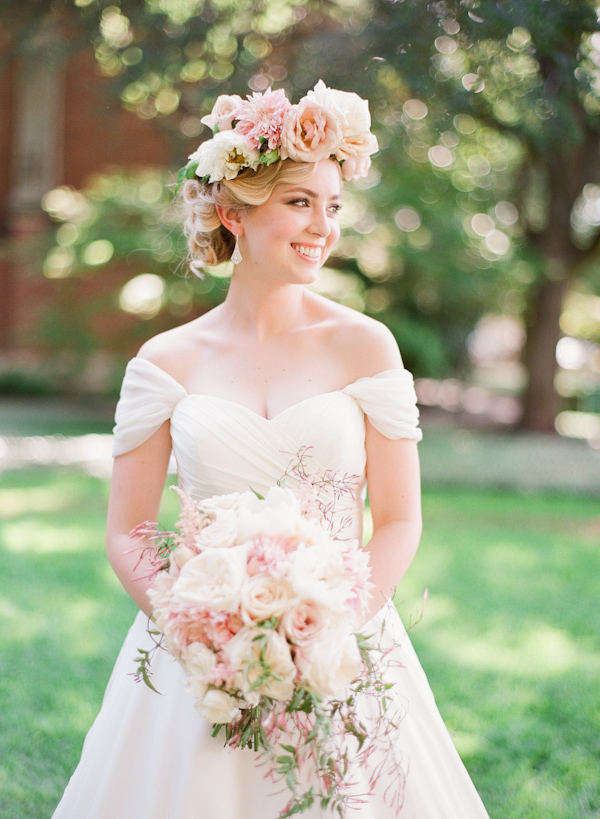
(274, 371)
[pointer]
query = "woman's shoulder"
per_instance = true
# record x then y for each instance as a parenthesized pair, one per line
(174, 349)
(366, 343)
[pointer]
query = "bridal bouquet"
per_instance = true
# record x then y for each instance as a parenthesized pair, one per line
(262, 605)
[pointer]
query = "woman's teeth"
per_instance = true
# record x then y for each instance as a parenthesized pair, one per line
(311, 252)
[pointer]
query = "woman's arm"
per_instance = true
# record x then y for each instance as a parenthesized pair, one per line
(137, 483)
(393, 479)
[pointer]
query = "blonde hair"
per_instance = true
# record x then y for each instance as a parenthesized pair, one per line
(209, 241)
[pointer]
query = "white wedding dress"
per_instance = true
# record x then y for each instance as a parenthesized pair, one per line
(152, 757)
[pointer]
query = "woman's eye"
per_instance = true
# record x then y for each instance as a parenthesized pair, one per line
(303, 202)
(336, 208)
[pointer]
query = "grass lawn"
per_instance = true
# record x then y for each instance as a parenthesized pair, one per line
(510, 638)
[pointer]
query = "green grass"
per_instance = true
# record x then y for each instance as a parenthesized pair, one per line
(510, 638)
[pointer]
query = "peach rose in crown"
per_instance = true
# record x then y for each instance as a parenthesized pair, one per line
(310, 133)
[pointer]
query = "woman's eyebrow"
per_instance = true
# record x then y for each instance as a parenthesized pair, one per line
(311, 193)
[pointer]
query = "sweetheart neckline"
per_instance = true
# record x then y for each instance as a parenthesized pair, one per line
(341, 391)
(255, 414)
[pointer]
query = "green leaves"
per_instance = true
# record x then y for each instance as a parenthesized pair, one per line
(188, 172)
(142, 672)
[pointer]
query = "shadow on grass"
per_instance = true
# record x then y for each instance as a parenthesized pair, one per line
(510, 642)
(509, 639)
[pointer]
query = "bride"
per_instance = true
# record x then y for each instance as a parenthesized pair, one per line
(274, 368)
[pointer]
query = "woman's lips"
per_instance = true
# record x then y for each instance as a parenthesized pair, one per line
(309, 253)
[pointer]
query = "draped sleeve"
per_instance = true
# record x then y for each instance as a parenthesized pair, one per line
(148, 397)
(390, 403)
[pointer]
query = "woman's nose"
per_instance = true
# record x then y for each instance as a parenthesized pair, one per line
(320, 223)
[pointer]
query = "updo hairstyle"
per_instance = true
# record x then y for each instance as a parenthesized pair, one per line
(209, 241)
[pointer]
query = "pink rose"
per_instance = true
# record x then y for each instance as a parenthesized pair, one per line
(302, 622)
(355, 166)
(310, 133)
(223, 112)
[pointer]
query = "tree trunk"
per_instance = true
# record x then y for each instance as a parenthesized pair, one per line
(541, 403)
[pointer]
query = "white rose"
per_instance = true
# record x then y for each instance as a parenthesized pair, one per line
(218, 707)
(263, 597)
(213, 579)
(278, 514)
(330, 664)
(159, 592)
(223, 112)
(239, 652)
(244, 653)
(218, 535)
(182, 554)
(277, 656)
(317, 573)
(198, 662)
(350, 109)
(210, 506)
(224, 156)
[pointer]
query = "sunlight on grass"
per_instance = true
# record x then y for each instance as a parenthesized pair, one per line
(538, 651)
(35, 538)
(15, 502)
(19, 625)
(509, 639)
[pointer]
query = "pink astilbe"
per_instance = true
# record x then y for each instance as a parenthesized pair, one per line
(260, 117)
(191, 520)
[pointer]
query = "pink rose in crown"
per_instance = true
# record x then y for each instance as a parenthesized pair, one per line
(310, 133)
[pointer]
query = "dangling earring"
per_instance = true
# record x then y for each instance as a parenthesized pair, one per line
(236, 256)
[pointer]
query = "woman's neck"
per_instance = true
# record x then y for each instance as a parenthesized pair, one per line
(263, 312)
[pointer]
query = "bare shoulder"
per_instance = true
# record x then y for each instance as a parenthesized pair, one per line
(366, 345)
(174, 349)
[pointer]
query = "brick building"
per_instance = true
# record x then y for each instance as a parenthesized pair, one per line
(58, 125)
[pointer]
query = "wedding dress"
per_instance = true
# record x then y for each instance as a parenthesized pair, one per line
(151, 756)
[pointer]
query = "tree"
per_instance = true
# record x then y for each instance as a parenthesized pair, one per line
(527, 72)
(488, 116)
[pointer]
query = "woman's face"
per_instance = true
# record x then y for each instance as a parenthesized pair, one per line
(293, 233)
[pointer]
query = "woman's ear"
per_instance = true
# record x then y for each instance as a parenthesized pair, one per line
(230, 218)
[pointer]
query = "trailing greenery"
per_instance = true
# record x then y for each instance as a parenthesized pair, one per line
(509, 639)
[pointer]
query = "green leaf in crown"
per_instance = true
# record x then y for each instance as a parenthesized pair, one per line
(188, 172)
(269, 157)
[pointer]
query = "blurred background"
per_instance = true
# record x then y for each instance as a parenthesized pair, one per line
(475, 238)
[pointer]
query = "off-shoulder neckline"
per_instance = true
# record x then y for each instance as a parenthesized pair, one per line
(343, 390)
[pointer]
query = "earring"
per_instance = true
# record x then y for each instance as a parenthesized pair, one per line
(236, 256)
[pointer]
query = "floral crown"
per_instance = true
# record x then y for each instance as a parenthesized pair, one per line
(264, 128)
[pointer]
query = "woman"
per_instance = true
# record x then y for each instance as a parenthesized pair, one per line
(271, 370)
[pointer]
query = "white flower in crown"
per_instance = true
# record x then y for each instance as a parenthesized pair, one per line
(224, 156)
(352, 112)
(223, 112)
